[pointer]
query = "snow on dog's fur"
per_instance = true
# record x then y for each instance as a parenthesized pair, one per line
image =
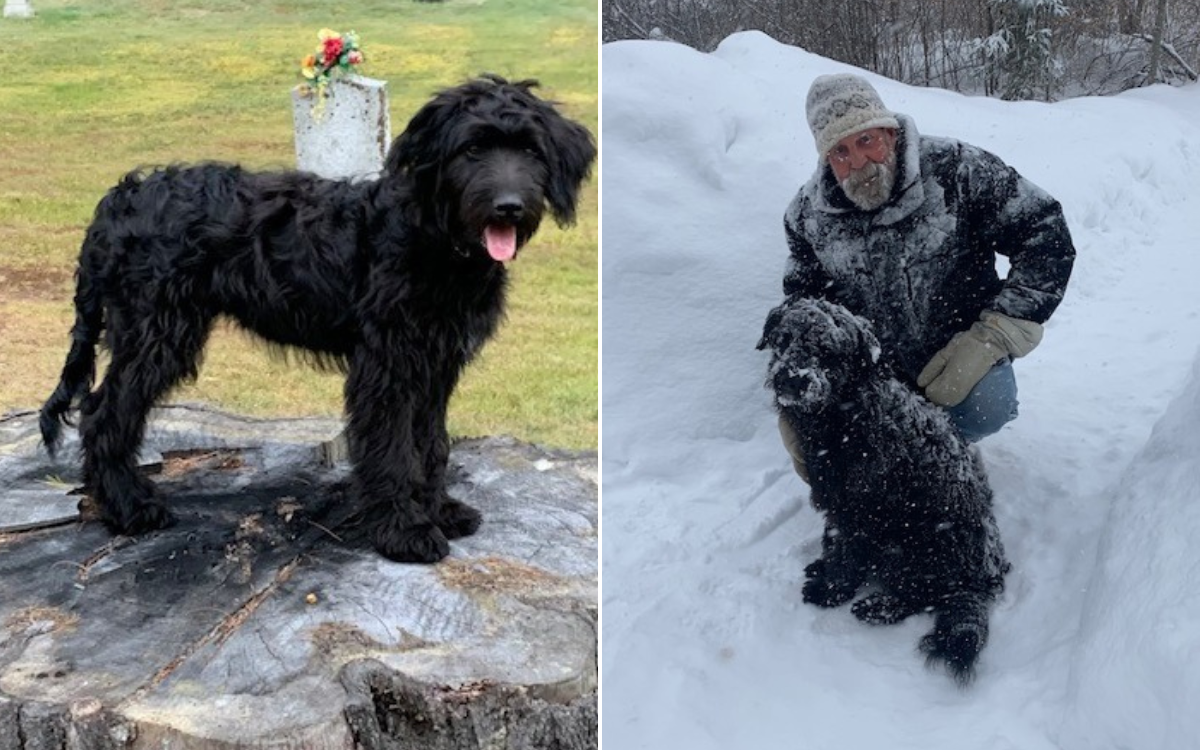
(908, 509)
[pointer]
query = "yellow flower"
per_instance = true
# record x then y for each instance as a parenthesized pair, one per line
(324, 34)
(308, 72)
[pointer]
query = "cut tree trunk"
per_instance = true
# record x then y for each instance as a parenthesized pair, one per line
(262, 619)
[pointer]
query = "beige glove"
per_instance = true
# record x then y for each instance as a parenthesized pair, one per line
(957, 368)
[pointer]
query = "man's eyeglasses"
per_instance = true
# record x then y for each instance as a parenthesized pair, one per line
(871, 143)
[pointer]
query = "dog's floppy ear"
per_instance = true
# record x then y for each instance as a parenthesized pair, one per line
(569, 153)
(417, 149)
(567, 146)
(420, 152)
(865, 342)
(773, 319)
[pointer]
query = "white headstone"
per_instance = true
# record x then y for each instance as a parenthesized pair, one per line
(349, 136)
(17, 9)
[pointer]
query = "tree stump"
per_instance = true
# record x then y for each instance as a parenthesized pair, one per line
(261, 620)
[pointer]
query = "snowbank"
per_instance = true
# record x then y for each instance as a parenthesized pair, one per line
(706, 643)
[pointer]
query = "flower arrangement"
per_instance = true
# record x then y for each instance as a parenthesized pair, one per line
(336, 53)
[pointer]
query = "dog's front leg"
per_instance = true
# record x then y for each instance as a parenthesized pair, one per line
(382, 398)
(454, 517)
(834, 578)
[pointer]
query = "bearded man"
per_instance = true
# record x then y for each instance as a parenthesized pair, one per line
(904, 229)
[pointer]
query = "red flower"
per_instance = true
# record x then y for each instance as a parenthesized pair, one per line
(333, 48)
(354, 57)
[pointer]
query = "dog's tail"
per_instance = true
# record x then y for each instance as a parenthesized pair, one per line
(80, 368)
(960, 631)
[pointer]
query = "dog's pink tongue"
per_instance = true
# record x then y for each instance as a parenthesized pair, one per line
(501, 242)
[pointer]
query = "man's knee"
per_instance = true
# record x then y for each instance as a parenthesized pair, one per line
(990, 405)
(791, 441)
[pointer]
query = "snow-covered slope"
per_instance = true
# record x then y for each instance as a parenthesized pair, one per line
(706, 643)
(1133, 680)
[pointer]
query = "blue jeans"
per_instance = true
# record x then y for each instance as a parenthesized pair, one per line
(990, 405)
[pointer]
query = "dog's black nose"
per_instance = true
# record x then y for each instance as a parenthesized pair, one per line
(508, 206)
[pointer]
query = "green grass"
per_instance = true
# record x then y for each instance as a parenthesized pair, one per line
(89, 90)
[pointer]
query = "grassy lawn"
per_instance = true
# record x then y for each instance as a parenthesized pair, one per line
(93, 89)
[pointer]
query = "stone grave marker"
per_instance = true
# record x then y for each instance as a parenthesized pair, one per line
(17, 9)
(350, 135)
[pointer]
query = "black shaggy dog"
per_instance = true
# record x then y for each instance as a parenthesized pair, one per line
(397, 281)
(907, 504)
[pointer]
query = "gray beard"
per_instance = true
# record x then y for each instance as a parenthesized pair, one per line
(871, 187)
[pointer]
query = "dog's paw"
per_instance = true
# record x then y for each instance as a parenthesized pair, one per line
(146, 516)
(423, 543)
(959, 633)
(455, 518)
(824, 590)
(956, 650)
(881, 609)
(822, 594)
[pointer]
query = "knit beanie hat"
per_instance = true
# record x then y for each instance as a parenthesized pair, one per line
(844, 104)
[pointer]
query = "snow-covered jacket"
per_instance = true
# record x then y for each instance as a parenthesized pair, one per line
(923, 267)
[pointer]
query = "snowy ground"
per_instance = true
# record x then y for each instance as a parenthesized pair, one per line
(706, 643)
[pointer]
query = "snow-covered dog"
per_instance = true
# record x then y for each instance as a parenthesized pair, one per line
(907, 504)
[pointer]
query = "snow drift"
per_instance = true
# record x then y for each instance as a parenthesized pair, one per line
(706, 531)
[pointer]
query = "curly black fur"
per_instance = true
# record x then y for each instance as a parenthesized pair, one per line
(390, 280)
(907, 503)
